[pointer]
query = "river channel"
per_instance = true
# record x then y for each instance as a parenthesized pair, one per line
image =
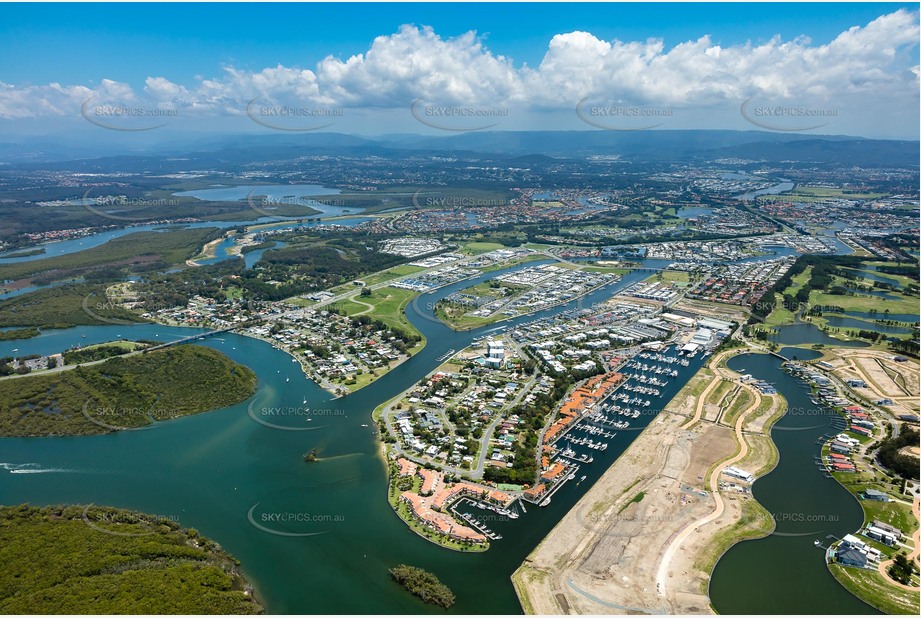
(222, 472)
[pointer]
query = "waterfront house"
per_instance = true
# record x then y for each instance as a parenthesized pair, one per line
(534, 493)
(554, 472)
(850, 556)
(883, 536)
(874, 494)
(888, 528)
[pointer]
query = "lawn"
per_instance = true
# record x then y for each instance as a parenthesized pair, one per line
(389, 305)
(670, 276)
(476, 248)
(896, 514)
(118, 343)
(900, 304)
(390, 273)
(823, 192)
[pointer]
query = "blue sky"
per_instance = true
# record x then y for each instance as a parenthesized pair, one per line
(209, 60)
(78, 43)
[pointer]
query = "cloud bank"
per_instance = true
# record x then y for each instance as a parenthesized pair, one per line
(874, 62)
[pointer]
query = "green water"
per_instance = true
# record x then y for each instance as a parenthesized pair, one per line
(218, 470)
(785, 573)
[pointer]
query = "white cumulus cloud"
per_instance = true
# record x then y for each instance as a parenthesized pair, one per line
(873, 61)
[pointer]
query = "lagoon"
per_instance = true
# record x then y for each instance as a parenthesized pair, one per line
(784, 573)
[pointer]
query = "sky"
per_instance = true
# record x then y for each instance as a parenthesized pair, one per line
(848, 68)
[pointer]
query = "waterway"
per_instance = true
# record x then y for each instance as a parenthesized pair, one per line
(777, 189)
(268, 197)
(784, 573)
(64, 247)
(807, 333)
(881, 315)
(852, 324)
(264, 199)
(221, 471)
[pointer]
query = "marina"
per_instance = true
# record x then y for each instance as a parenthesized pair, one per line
(238, 463)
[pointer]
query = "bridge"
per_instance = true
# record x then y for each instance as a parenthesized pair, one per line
(197, 337)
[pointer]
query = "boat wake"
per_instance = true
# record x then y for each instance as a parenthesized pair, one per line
(29, 468)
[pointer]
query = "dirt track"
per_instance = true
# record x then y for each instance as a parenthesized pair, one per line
(606, 553)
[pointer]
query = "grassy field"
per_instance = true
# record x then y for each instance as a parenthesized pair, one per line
(476, 248)
(717, 395)
(388, 307)
(781, 316)
(696, 385)
(825, 192)
(900, 304)
(53, 562)
(739, 404)
(390, 273)
(670, 276)
(465, 321)
(896, 514)
(870, 586)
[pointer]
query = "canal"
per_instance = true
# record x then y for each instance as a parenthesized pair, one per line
(785, 573)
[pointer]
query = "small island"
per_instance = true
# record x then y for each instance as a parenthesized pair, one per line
(129, 391)
(100, 560)
(423, 584)
(19, 333)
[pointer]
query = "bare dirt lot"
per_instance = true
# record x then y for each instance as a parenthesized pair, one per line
(885, 378)
(606, 555)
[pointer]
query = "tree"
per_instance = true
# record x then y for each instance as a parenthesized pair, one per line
(901, 569)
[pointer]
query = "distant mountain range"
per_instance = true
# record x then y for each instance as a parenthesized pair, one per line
(508, 146)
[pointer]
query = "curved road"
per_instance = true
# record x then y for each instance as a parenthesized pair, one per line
(662, 573)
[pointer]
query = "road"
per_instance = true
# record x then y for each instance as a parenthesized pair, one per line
(662, 573)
